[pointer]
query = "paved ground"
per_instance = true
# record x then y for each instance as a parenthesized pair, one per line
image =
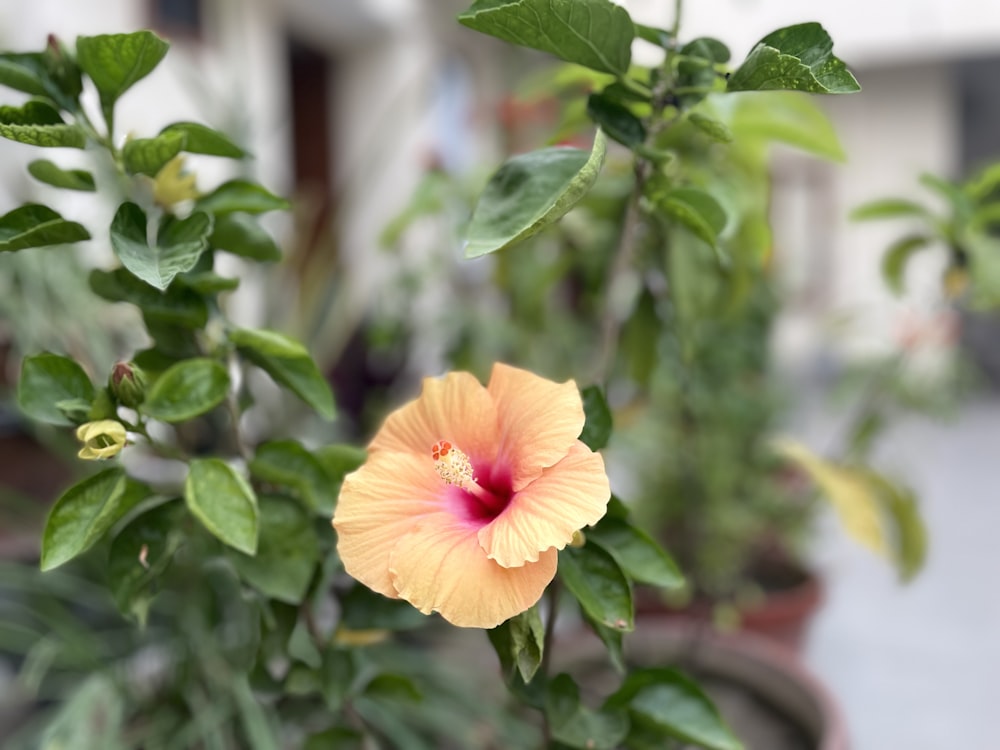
(918, 667)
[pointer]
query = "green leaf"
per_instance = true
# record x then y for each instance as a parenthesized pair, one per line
(92, 717)
(636, 553)
(597, 428)
(599, 584)
(139, 555)
(115, 62)
(39, 124)
(187, 389)
(287, 551)
(959, 202)
(343, 738)
(519, 643)
(530, 192)
(47, 380)
(288, 363)
(898, 255)
(224, 503)
(177, 306)
(714, 129)
(241, 195)
(242, 235)
(148, 155)
(676, 705)
(707, 48)
(287, 463)
(616, 120)
(613, 641)
(206, 283)
(594, 33)
(201, 139)
(697, 211)
(179, 244)
(35, 225)
(258, 727)
(786, 117)
(68, 179)
(908, 535)
(84, 512)
(363, 609)
(27, 72)
(798, 58)
(889, 208)
(577, 726)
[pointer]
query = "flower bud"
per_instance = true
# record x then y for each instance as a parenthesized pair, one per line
(128, 384)
(101, 439)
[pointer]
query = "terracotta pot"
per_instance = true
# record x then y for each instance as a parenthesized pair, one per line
(782, 615)
(767, 696)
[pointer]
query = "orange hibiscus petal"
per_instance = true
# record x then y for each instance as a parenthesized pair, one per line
(566, 497)
(440, 567)
(456, 408)
(379, 503)
(539, 421)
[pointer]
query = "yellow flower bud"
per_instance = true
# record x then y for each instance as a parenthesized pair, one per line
(102, 439)
(172, 185)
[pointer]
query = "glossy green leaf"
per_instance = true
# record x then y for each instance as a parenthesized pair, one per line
(364, 609)
(85, 512)
(797, 58)
(613, 641)
(187, 389)
(68, 179)
(519, 643)
(115, 62)
(138, 556)
(636, 553)
(288, 363)
(201, 139)
(616, 120)
(177, 306)
(206, 283)
(898, 255)
(714, 129)
(35, 225)
(179, 244)
(575, 725)
(241, 195)
(598, 425)
(27, 72)
(148, 155)
(789, 118)
(529, 192)
(39, 124)
(224, 503)
(599, 584)
(242, 235)
(286, 463)
(594, 33)
(707, 48)
(696, 210)
(287, 551)
(676, 705)
(47, 380)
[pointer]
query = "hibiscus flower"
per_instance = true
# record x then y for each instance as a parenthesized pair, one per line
(468, 494)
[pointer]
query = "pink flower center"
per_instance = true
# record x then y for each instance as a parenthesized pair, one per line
(482, 493)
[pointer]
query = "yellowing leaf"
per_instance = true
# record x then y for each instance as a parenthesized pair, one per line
(848, 490)
(172, 185)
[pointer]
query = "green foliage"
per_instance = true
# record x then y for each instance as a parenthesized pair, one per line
(34, 225)
(530, 192)
(599, 585)
(597, 428)
(224, 503)
(288, 363)
(68, 179)
(574, 725)
(797, 58)
(288, 464)
(148, 155)
(50, 383)
(594, 33)
(179, 244)
(85, 512)
(186, 390)
(116, 62)
(520, 643)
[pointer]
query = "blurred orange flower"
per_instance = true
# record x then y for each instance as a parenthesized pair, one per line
(468, 494)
